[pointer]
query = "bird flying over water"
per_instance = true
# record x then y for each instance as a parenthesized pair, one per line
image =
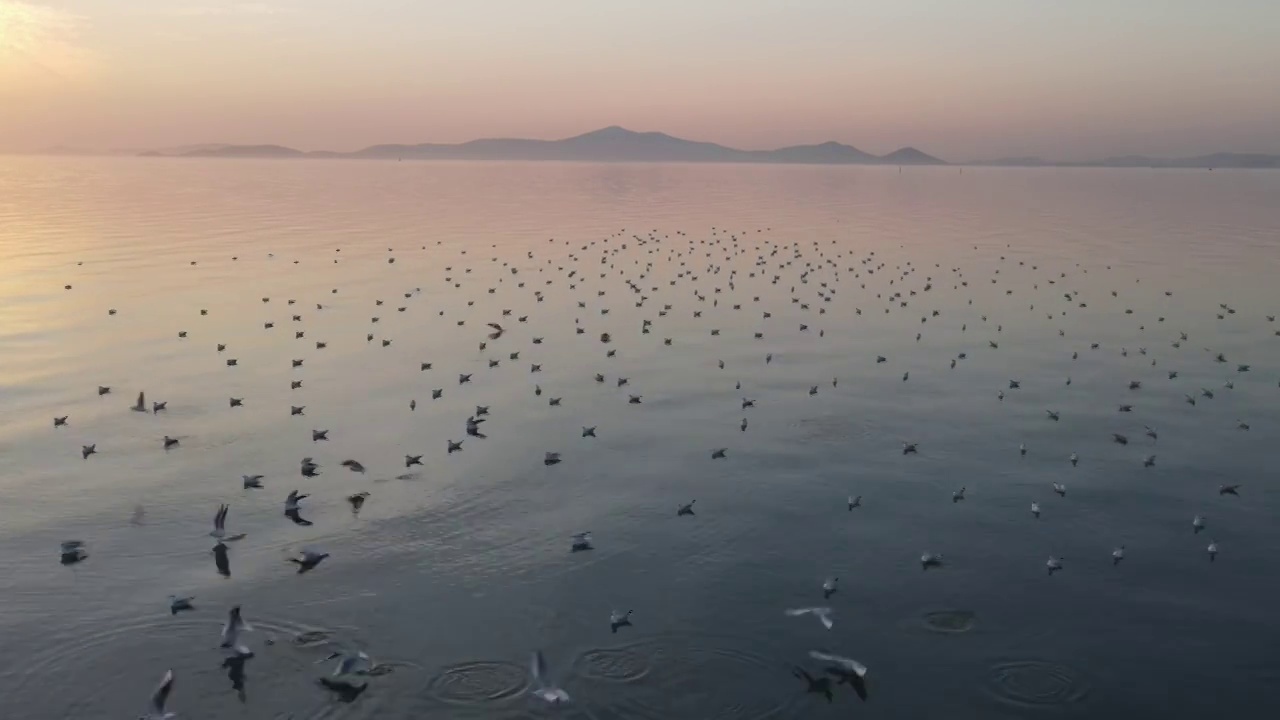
(822, 613)
(542, 686)
(232, 628)
(159, 698)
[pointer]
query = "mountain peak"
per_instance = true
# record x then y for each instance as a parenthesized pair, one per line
(911, 156)
(613, 132)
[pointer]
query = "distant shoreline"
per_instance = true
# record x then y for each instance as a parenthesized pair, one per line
(619, 145)
(344, 157)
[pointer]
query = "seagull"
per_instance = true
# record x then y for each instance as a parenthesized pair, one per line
(170, 442)
(139, 514)
(60, 421)
(1117, 555)
(581, 541)
(1053, 414)
(1149, 461)
(141, 404)
(542, 688)
(232, 628)
(160, 696)
(349, 663)
(157, 406)
(1074, 459)
(854, 501)
(178, 604)
(929, 560)
(909, 448)
(849, 664)
(958, 495)
(634, 399)
(410, 460)
(619, 619)
(87, 450)
(1229, 490)
(589, 431)
(103, 390)
(1213, 550)
(1022, 448)
(1119, 439)
(1035, 509)
(357, 500)
(744, 425)
(308, 559)
(318, 435)
(353, 465)
(551, 458)
(1151, 433)
(1197, 523)
(220, 521)
(291, 508)
(309, 467)
(822, 613)
(1054, 564)
(454, 446)
(1060, 489)
(686, 509)
(829, 587)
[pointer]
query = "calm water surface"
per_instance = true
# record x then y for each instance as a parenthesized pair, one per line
(454, 575)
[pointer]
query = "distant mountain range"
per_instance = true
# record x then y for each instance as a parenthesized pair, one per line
(617, 144)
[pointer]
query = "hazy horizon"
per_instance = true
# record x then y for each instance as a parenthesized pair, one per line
(977, 80)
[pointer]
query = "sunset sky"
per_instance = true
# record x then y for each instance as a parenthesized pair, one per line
(957, 78)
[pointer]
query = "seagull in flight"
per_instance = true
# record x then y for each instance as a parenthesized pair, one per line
(178, 604)
(619, 619)
(349, 662)
(252, 481)
(160, 696)
(848, 664)
(220, 525)
(822, 613)
(308, 559)
(232, 628)
(542, 688)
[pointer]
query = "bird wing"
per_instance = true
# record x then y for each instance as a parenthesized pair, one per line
(538, 667)
(848, 663)
(161, 694)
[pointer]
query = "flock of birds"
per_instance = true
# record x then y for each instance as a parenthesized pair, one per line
(814, 273)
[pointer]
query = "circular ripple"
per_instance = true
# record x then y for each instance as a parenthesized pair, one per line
(950, 621)
(617, 664)
(478, 682)
(1036, 683)
(188, 644)
(676, 670)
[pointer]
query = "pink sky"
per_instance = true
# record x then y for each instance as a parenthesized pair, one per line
(963, 79)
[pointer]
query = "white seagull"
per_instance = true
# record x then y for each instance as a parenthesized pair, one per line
(350, 663)
(849, 664)
(542, 688)
(232, 628)
(822, 613)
